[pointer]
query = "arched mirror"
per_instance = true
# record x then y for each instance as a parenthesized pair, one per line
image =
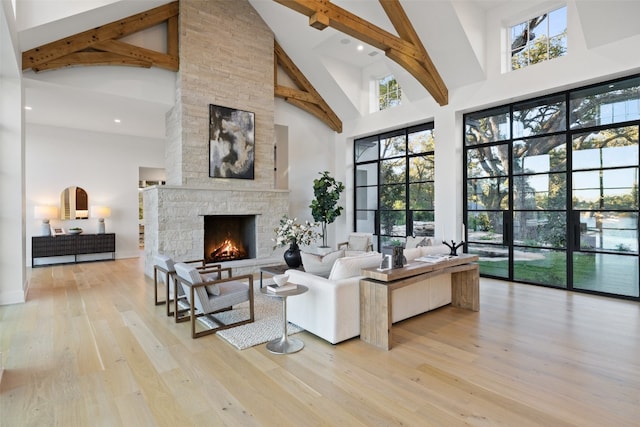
(74, 203)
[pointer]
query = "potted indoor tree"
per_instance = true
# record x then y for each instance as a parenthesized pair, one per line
(324, 207)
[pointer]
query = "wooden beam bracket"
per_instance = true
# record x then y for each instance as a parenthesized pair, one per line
(74, 50)
(407, 49)
(305, 96)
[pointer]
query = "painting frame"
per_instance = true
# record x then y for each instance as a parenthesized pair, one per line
(231, 143)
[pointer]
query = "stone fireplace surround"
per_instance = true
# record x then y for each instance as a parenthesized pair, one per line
(174, 222)
(226, 59)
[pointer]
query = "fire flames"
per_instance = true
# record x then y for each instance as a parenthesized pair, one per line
(228, 251)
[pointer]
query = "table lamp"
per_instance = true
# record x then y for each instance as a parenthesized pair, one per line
(45, 213)
(101, 212)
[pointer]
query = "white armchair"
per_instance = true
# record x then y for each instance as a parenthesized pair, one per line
(357, 244)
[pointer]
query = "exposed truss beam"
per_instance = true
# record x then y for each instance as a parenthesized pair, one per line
(100, 46)
(407, 50)
(305, 96)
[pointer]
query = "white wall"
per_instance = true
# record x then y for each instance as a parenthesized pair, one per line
(13, 279)
(105, 165)
(311, 151)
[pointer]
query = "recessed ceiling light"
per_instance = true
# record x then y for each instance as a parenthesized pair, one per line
(26, 107)
(360, 47)
(345, 41)
(116, 120)
(373, 53)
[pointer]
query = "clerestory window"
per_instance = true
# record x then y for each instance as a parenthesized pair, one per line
(389, 93)
(539, 39)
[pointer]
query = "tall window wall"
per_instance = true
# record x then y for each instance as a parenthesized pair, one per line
(394, 183)
(552, 189)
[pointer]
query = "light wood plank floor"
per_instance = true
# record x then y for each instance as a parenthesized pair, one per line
(89, 348)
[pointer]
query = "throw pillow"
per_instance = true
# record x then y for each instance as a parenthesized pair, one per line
(425, 242)
(210, 277)
(416, 242)
(412, 253)
(320, 265)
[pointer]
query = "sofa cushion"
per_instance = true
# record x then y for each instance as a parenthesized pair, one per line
(347, 267)
(320, 265)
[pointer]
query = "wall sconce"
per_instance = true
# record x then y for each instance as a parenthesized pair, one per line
(101, 212)
(45, 213)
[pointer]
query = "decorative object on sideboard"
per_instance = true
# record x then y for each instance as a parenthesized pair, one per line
(100, 212)
(45, 213)
(453, 247)
(75, 230)
(231, 143)
(398, 256)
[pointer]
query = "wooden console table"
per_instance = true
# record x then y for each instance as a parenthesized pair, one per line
(69, 244)
(377, 287)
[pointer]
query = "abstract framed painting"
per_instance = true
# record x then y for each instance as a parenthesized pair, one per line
(231, 143)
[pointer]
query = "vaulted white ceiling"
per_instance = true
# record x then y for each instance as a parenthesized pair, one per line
(452, 32)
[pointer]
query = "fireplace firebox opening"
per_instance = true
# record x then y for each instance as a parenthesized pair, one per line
(229, 237)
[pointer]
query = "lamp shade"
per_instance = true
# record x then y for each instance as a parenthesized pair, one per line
(100, 211)
(45, 212)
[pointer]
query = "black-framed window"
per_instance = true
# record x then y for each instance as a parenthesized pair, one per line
(551, 193)
(394, 183)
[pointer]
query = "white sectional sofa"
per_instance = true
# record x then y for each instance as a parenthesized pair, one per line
(331, 307)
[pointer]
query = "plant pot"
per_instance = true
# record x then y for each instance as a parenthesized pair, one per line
(292, 256)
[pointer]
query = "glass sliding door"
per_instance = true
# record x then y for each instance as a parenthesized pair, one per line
(552, 189)
(366, 184)
(393, 187)
(488, 212)
(605, 203)
(539, 191)
(394, 184)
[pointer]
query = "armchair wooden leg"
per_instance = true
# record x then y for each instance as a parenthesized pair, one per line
(155, 288)
(168, 280)
(176, 308)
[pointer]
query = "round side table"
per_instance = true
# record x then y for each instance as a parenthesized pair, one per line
(285, 345)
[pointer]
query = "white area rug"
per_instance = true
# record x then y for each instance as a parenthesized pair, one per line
(267, 325)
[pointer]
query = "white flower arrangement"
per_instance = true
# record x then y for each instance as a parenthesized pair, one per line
(289, 232)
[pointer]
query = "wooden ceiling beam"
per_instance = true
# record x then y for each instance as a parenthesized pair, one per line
(305, 96)
(432, 81)
(158, 59)
(93, 58)
(66, 49)
(407, 50)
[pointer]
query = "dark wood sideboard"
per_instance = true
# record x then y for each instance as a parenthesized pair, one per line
(72, 245)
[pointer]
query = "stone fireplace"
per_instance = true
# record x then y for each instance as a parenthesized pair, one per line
(177, 224)
(229, 237)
